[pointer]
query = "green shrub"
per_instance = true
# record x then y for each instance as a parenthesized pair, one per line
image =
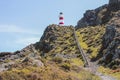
(11, 76)
(58, 59)
(66, 66)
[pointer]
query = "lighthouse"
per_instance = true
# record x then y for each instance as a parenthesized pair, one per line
(61, 19)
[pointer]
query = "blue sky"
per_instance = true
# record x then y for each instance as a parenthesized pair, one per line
(23, 21)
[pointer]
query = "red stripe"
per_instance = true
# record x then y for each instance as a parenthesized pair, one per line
(61, 18)
(61, 23)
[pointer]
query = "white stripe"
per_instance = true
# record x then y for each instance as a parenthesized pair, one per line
(61, 16)
(61, 20)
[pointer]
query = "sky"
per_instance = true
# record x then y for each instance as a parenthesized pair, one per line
(23, 22)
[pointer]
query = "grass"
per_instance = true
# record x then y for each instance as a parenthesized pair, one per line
(58, 59)
(85, 75)
(90, 39)
(83, 44)
(77, 62)
(55, 68)
(94, 52)
(66, 66)
(50, 72)
(110, 72)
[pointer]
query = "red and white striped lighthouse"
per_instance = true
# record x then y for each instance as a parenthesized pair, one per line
(61, 19)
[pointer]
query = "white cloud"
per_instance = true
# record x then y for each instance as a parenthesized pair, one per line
(26, 36)
(27, 41)
(16, 29)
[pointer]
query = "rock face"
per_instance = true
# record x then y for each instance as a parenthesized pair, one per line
(57, 39)
(114, 5)
(111, 46)
(113, 1)
(109, 54)
(99, 16)
(48, 37)
(108, 15)
(89, 18)
(109, 35)
(111, 43)
(92, 17)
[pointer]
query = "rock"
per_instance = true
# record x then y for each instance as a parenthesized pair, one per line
(38, 63)
(108, 15)
(92, 17)
(115, 19)
(111, 43)
(99, 16)
(32, 62)
(2, 54)
(114, 5)
(49, 32)
(43, 46)
(89, 19)
(16, 52)
(48, 37)
(109, 35)
(27, 59)
(114, 1)
(6, 66)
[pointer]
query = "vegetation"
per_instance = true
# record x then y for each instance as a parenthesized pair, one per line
(108, 71)
(66, 70)
(63, 62)
(58, 59)
(90, 39)
(66, 66)
(77, 62)
(51, 72)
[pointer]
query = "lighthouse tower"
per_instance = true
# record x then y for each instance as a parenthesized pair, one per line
(61, 19)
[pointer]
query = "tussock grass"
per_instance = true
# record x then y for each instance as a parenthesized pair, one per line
(90, 39)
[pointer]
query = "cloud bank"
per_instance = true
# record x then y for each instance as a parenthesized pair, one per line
(18, 37)
(16, 29)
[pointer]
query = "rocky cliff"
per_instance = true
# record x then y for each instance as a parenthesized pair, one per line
(114, 5)
(109, 16)
(111, 43)
(92, 17)
(99, 16)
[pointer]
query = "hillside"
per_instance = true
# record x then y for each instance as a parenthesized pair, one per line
(88, 51)
(54, 57)
(99, 35)
(103, 43)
